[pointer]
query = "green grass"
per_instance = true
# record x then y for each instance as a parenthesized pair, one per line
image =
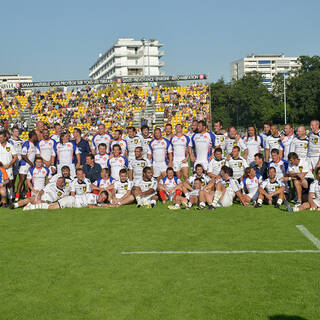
(67, 264)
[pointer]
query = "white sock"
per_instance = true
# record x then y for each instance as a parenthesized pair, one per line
(216, 198)
(152, 201)
(42, 206)
(259, 201)
(202, 205)
(279, 201)
(189, 204)
(16, 205)
(177, 205)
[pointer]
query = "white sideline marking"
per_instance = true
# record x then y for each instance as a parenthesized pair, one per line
(221, 252)
(309, 235)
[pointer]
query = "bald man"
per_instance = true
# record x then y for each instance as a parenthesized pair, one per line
(314, 144)
(299, 144)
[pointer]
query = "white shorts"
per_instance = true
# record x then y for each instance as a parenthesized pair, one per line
(24, 169)
(177, 165)
(313, 161)
(71, 167)
(158, 168)
(67, 202)
(204, 164)
(227, 200)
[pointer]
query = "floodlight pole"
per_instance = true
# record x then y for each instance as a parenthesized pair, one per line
(284, 99)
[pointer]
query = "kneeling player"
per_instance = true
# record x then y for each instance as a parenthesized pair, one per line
(250, 185)
(144, 190)
(122, 190)
(169, 186)
(271, 190)
(105, 183)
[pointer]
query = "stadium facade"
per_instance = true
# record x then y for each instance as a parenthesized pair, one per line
(129, 58)
(268, 65)
(12, 81)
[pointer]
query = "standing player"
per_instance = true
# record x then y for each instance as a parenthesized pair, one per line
(146, 138)
(169, 186)
(116, 162)
(160, 153)
(133, 141)
(45, 148)
(101, 137)
(180, 143)
(253, 143)
(4, 180)
(102, 156)
(204, 143)
(168, 131)
(314, 144)
(117, 139)
(233, 139)
(122, 189)
(220, 137)
(299, 144)
(286, 139)
(265, 133)
(136, 166)
(273, 142)
(237, 164)
(57, 132)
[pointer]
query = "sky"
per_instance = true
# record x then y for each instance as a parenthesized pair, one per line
(60, 40)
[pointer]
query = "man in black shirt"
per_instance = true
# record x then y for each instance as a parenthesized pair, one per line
(91, 169)
(82, 144)
(260, 166)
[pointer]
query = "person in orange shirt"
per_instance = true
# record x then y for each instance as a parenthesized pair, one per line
(4, 179)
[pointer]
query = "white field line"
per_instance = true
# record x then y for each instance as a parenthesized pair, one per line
(309, 235)
(221, 252)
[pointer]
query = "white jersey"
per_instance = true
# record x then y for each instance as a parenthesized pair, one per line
(170, 183)
(38, 177)
(253, 144)
(281, 168)
(145, 145)
(273, 186)
(204, 180)
(264, 137)
(233, 142)
(115, 164)
(314, 144)
(315, 188)
(159, 150)
(82, 201)
(302, 167)
(300, 147)
(7, 151)
(81, 187)
(29, 150)
(251, 186)
(102, 160)
(104, 183)
(231, 185)
(123, 145)
(97, 139)
(220, 140)
(286, 142)
(216, 165)
(17, 145)
(147, 185)
(137, 167)
(274, 143)
(45, 149)
(203, 144)
(56, 138)
(67, 181)
(51, 193)
(237, 165)
(123, 187)
(132, 143)
(180, 147)
(65, 152)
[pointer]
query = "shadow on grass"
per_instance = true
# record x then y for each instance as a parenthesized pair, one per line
(285, 317)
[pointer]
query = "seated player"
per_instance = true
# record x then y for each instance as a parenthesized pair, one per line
(271, 190)
(191, 198)
(136, 165)
(4, 180)
(250, 185)
(237, 164)
(169, 186)
(122, 190)
(102, 156)
(313, 202)
(199, 174)
(80, 185)
(52, 192)
(145, 190)
(105, 183)
(225, 191)
(65, 173)
(300, 173)
(216, 164)
(36, 177)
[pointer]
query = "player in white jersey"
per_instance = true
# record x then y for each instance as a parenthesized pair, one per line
(253, 143)
(136, 165)
(220, 137)
(237, 163)
(280, 165)
(180, 154)
(80, 184)
(250, 185)
(28, 154)
(45, 148)
(287, 139)
(65, 173)
(133, 141)
(66, 152)
(160, 153)
(102, 156)
(188, 185)
(233, 139)
(37, 175)
(169, 186)
(271, 190)
(17, 143)
(8, 157)
(57, 132)
(117, 139)
(216, 164)
(265, 133)
(225, 191)
(101, 137)
(105, 183)
(273, 142)
(203, 143)
(314, 144)
(52, 192)
(146, 138)
(300, 173)
(117, 162)
(145, 190)
(122, 189)
(299, 144)
(313, 202)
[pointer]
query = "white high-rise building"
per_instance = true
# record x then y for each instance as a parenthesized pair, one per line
(129, 58)
(267, 64)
